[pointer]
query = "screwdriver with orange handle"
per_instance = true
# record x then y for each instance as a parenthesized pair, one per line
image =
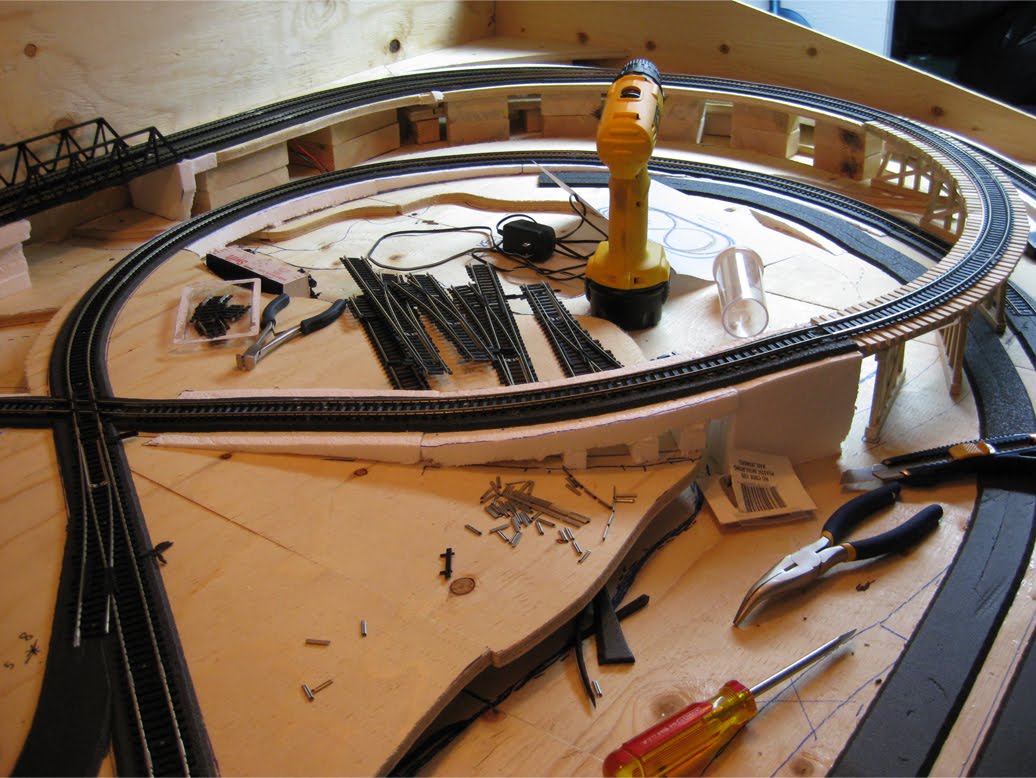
(689, 739)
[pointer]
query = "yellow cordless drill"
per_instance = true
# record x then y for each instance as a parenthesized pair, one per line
(627, 278)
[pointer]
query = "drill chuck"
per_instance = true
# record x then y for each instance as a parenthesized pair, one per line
(642, 67)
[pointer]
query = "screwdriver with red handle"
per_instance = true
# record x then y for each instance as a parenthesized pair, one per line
(689, 739)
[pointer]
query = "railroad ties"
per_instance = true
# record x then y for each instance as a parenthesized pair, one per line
(475, 318)
(485, 301)
(404, 349)
(576, 351)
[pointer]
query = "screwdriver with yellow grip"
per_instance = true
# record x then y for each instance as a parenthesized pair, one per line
(688, 740)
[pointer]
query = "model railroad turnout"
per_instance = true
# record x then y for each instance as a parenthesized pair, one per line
(393, 326)
(475, 317)
(110, 585)
(576, 351)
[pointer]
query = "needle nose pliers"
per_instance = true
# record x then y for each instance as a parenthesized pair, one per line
(801, 568)
(269, 339)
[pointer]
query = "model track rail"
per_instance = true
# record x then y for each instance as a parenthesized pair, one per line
(398, 318)
(399, 369)
(32, 412)
(78, 375)
(576, 351)
(487, 303)
(433, 300)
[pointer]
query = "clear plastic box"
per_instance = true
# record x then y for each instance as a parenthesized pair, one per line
(215, 312)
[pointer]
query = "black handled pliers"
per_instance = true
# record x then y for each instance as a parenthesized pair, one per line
(803, 567)
(269, 339)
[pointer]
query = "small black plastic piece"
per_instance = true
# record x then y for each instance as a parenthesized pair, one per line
(447, 572)
(612, 648)
(529, 239)
(631, 309)
(213, 317)
(577, 646)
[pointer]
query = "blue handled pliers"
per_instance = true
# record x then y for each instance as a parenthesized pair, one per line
(801, 568)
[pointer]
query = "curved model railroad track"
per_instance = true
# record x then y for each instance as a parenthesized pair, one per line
(111, 593)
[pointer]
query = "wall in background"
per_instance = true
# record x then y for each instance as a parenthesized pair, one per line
(863, 23)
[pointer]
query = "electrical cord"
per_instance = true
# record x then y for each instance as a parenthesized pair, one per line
(563, 245)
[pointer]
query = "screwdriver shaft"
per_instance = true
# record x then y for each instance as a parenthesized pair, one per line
(801, 664)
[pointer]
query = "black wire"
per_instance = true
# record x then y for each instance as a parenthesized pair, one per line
(435, 231)
(562, 246)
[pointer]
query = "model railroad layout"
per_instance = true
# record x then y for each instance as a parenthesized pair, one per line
(110, 585)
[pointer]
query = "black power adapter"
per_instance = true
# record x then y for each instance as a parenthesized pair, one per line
(528, 239)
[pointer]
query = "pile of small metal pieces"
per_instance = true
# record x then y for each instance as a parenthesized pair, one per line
(515, 503)
(214, 315)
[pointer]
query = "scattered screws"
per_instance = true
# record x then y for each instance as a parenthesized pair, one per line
(597, 689)
(363, 628)
(576, 548)
(517, 537)
(583, 557)
(475, 530)
(317, 642)
(311, 693)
